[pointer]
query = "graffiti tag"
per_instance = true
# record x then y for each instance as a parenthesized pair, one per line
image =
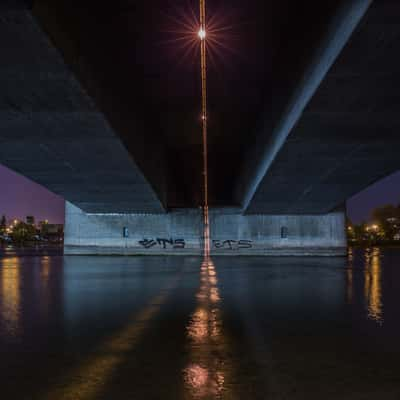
(163, 243)
(232, 244)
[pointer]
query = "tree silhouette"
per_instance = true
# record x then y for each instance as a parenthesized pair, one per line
(3, 224)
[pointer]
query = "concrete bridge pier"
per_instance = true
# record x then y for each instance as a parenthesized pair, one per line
(180, 232)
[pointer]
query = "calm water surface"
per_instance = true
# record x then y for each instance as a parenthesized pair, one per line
(185, 328)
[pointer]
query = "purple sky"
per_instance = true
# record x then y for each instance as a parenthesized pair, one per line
(386, 191)
(20, 197)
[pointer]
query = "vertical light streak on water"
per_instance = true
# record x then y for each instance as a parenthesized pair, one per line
(208, 374)
(373, 286)
(10, 296)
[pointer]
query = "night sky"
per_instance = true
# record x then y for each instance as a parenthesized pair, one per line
(20, 197)
(386, 191)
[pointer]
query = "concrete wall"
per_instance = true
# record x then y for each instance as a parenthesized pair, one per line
(180, 232)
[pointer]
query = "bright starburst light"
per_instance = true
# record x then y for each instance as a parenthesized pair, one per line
(184, 29)
(202, 34)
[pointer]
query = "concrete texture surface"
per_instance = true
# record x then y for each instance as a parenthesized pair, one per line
(53, 133)
(180, 232)
(348, 135)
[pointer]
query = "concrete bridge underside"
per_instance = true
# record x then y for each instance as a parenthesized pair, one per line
(52, 132)
(346, 135)
(90, 112)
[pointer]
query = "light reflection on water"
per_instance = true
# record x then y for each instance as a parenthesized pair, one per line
(303, 308)
(349, 292)
(91, 376)
(205, 375)
(372, 294)
(10, 295)
(12, 291)
(44, 278)
(373, 285)
(45, 269)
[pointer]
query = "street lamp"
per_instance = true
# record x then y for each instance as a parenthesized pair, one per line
(202, 34)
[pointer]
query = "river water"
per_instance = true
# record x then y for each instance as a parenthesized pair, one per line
(187, 328)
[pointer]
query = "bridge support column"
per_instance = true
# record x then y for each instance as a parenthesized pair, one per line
(180, 233)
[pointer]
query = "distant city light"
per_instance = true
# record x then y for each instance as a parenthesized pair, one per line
(202, 34)
(373, 227)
